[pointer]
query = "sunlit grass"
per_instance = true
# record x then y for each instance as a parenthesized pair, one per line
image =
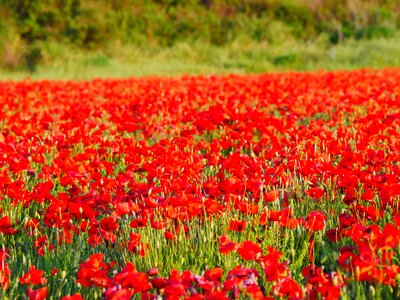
(241, 56)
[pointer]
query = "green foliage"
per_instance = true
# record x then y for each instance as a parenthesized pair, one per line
(89, 23)
(92, 25)
(32, 59)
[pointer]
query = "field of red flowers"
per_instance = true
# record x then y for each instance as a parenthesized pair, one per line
(214, 187)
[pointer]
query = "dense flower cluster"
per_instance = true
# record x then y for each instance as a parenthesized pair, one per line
(313, 157)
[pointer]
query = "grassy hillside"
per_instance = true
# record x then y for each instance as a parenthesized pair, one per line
(134, 37)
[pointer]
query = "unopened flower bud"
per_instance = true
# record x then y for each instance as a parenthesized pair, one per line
(358, 273)
(372, 291)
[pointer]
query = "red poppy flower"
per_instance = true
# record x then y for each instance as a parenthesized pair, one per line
(271, 196)
(287, 287)
(6, 227)
(115, 293)
(169, 235)
(214, 274)
(130, 278)
(226, 245)
(238, 226)
(109, 224)
(212, 206)
(136, 246)
(41, 244)
(33, 277)
(315, 193)
(5, 274)
(334, 235)
(159, 283)
(249, 250)
(39, 294)
(315, 221)
(396, 220)
(76, 296)
(93, 272)
(390, 237)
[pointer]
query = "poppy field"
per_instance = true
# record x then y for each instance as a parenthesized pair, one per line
(275, 186)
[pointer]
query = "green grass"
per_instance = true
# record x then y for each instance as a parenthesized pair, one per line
(241, 56)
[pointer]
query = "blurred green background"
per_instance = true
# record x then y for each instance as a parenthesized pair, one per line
(82, 39)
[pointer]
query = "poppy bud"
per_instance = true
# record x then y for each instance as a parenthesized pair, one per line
(372, 291)
(335, 280)
(152, 272)
(357, 273)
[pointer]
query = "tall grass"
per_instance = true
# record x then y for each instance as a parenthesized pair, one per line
(241, 56)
